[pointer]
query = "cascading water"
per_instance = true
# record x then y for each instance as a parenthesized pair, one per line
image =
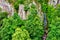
(45, 27)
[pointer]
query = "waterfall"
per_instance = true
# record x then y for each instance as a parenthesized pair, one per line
(45, 21)
(45, 27)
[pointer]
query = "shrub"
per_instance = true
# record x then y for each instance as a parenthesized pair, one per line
(20, 34)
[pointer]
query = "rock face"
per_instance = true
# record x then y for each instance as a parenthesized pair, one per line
(58, 1)
(22, 12)
(6, 7)
(52, 2)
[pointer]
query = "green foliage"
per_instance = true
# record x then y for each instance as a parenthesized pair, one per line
(58, 10)
(6, 30)
(54, 23)
(20, 34)
(16, 4)
(3, 15)
(34, 26)
(43, 1)
(10, 1)
(33, 10)
(21, 1)
(0, 9)
(14, 28)
(8, 27)
(26, 7)
(44, 7)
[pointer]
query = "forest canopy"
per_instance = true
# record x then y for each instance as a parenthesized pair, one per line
(30, 20)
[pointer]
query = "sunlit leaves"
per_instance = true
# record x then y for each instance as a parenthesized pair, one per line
(20, 35)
